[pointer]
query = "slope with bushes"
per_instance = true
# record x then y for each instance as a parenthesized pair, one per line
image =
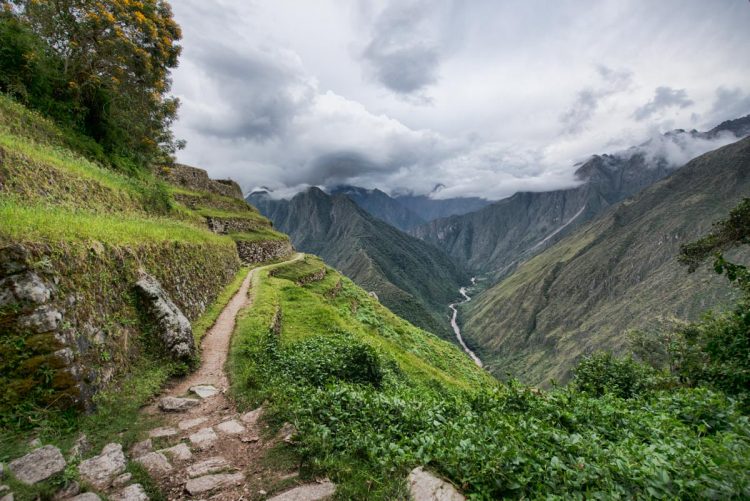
(372, 397)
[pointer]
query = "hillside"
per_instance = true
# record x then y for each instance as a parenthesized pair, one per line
(615, 273)
(373, 398)
(496, 238)
(375, 255)
(77, 237)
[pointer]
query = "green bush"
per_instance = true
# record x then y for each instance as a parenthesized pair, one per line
(602, 373)
(325, 359)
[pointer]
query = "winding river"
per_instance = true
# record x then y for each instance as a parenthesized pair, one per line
(457, 329)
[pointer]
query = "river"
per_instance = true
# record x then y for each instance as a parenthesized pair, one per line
(457, 329)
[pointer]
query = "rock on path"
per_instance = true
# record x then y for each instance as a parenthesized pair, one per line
(101, 470)
(231, 427)
(179, 452)
(134, 492)
(38, 465)
(208, 466)
(177, 404)
(208, 483)
(424, 486)
(155, 463)
(204, 390)
(307, 492)
(203, 438)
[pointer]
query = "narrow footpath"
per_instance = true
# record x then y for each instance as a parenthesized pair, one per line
(206, 449)
(457, 329)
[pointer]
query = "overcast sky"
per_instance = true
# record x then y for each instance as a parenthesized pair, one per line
(485, 97)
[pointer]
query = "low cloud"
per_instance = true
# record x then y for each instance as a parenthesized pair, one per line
(664, 97)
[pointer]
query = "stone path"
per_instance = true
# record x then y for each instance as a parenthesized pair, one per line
(205, 448)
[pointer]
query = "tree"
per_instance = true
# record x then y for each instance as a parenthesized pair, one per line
(115, 58)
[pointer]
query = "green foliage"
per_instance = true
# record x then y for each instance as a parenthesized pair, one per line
(100, 69)
(492, 442)
(602, 373)
(323, 360)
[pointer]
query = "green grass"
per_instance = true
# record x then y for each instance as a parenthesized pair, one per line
(259, 235)
(300, 269)
(208, 318)
(49, 223)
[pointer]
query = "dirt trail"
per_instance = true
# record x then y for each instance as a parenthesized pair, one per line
(206, 449)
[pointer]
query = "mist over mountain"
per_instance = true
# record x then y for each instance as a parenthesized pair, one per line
(617, 272)
(414, 279)
(498, 237)
(406, 211)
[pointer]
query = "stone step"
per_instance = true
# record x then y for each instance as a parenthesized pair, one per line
(203, 438)
(307, 492)
(208, 466)
(204, 390)
(191, 423)
(231, 427)
(208, 483)
(177, 404)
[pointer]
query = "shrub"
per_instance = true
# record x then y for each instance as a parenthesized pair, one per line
(323, 359)
(602, 373)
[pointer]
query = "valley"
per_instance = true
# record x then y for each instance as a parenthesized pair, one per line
(457, 329)
(277, 251)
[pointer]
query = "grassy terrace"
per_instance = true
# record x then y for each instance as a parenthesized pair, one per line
(49, 223)
(259, 234)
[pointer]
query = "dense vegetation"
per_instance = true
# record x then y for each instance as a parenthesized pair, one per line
(371, 399)
(99, 69)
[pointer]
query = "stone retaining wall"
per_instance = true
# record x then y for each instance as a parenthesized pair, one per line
(263, 250)
(69, 313)
(194, 178)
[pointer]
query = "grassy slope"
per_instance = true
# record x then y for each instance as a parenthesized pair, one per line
(616, 273)
(373, 397)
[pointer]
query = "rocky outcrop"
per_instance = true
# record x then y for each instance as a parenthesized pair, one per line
(252, 252)
(173, 327)
(424, 486)
(197, 179)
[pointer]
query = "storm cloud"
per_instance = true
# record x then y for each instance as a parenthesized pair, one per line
(404, 52)
(486, 98)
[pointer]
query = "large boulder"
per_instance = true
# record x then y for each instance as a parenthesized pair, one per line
(424, 486)
(38, 465)
(174, 328)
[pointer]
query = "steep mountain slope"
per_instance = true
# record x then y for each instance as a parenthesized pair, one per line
(412, 278)
(408, 211)
(377, 203)
(498, 237)
(615, 273)
(430, 209)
